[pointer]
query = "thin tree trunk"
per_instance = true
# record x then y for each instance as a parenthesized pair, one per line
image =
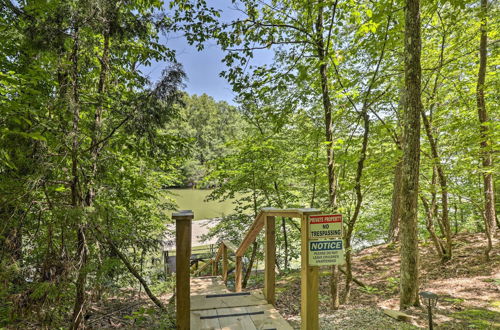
(334, 288)
(430, 228)
(130, 267)
(96, 129)
(285, 238)
(255, 247)
(76, 200)
(411, 158)
(438, 168)
(444, 222)
(489, 193)
(315, 176)
(283, 226)
(322, 52)
(396, 203)
(359, 200)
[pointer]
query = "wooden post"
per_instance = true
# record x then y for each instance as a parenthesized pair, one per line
(165, 263)
(239, 274)
(182, 261)
(216, 267)
(224, 263)
(308, 283)
(270, 260)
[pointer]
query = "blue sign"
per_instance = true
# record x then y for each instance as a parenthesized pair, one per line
(326, 252)
(325, 245)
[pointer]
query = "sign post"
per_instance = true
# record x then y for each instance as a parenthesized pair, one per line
(325, 244)
(322, 245)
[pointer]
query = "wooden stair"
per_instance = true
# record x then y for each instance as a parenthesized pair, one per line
(213, 306)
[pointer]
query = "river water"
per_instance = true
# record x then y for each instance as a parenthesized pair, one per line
(194, 199)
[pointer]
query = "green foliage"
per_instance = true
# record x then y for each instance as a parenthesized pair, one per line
(208, 125)
(87, 142)
(370, 290)
(83, 144)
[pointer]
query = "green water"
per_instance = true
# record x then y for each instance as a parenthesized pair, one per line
(194, 199)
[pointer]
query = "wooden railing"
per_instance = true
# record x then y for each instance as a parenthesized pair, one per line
(309, 274)
(265, 219)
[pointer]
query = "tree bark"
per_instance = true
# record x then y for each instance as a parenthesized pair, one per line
(488, 185)
(438, 168)
(411, 157)
(255, 247)
(322, 52)
(76, 199)
(101, 236)
(396, 203)
(359, 201)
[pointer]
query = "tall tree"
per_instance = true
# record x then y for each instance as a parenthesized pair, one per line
(488, 185)
(411, 157)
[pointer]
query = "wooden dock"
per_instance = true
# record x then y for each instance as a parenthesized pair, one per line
(213, 306)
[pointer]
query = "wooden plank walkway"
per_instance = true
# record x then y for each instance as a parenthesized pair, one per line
(213, 306)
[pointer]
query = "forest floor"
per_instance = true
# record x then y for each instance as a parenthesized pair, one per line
(468, 289)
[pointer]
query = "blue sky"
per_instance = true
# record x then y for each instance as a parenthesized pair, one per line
(203, 67)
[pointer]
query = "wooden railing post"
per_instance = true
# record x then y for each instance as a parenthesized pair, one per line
(224, 263)
(182, 263)
(238, 274)
(270, 260)
(309, 311)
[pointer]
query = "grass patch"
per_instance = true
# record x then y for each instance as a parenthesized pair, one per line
(479, 318)
(454, 300)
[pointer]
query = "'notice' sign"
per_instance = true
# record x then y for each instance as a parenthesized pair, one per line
(325, 226)
(326, 252)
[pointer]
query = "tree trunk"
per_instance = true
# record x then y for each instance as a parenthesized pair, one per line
(255, 247)
(285, 238)
(322, 52)
(411, 157)
(430, 227)
(130, 267)
(76, 200)
(334, 288)
(438, 168)
(359, 201)
(396, 203)
(488, 185)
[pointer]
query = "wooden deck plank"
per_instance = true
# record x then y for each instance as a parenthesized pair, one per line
(211, 301)
(204, 324)
(207, 285)
(200, 302)
(243, 322)
(271, 319)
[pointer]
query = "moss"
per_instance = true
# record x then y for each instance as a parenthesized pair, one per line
(325, 273)
(279, 290)
(479, 318)
(454, 300)
(370, 256)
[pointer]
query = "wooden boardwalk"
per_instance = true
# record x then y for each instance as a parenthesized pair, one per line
(213, 306)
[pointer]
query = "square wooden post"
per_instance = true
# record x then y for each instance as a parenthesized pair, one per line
(309, 311)
(238, 282)
(165, 263)
(216, 267)
(224, 264)
(182, 263)
(270, 260)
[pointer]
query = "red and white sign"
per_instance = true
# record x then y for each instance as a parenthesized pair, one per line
(325, 226)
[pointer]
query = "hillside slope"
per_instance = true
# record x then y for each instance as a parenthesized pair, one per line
(468, 289)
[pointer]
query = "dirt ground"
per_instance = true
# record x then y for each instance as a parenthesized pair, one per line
(468, 288)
